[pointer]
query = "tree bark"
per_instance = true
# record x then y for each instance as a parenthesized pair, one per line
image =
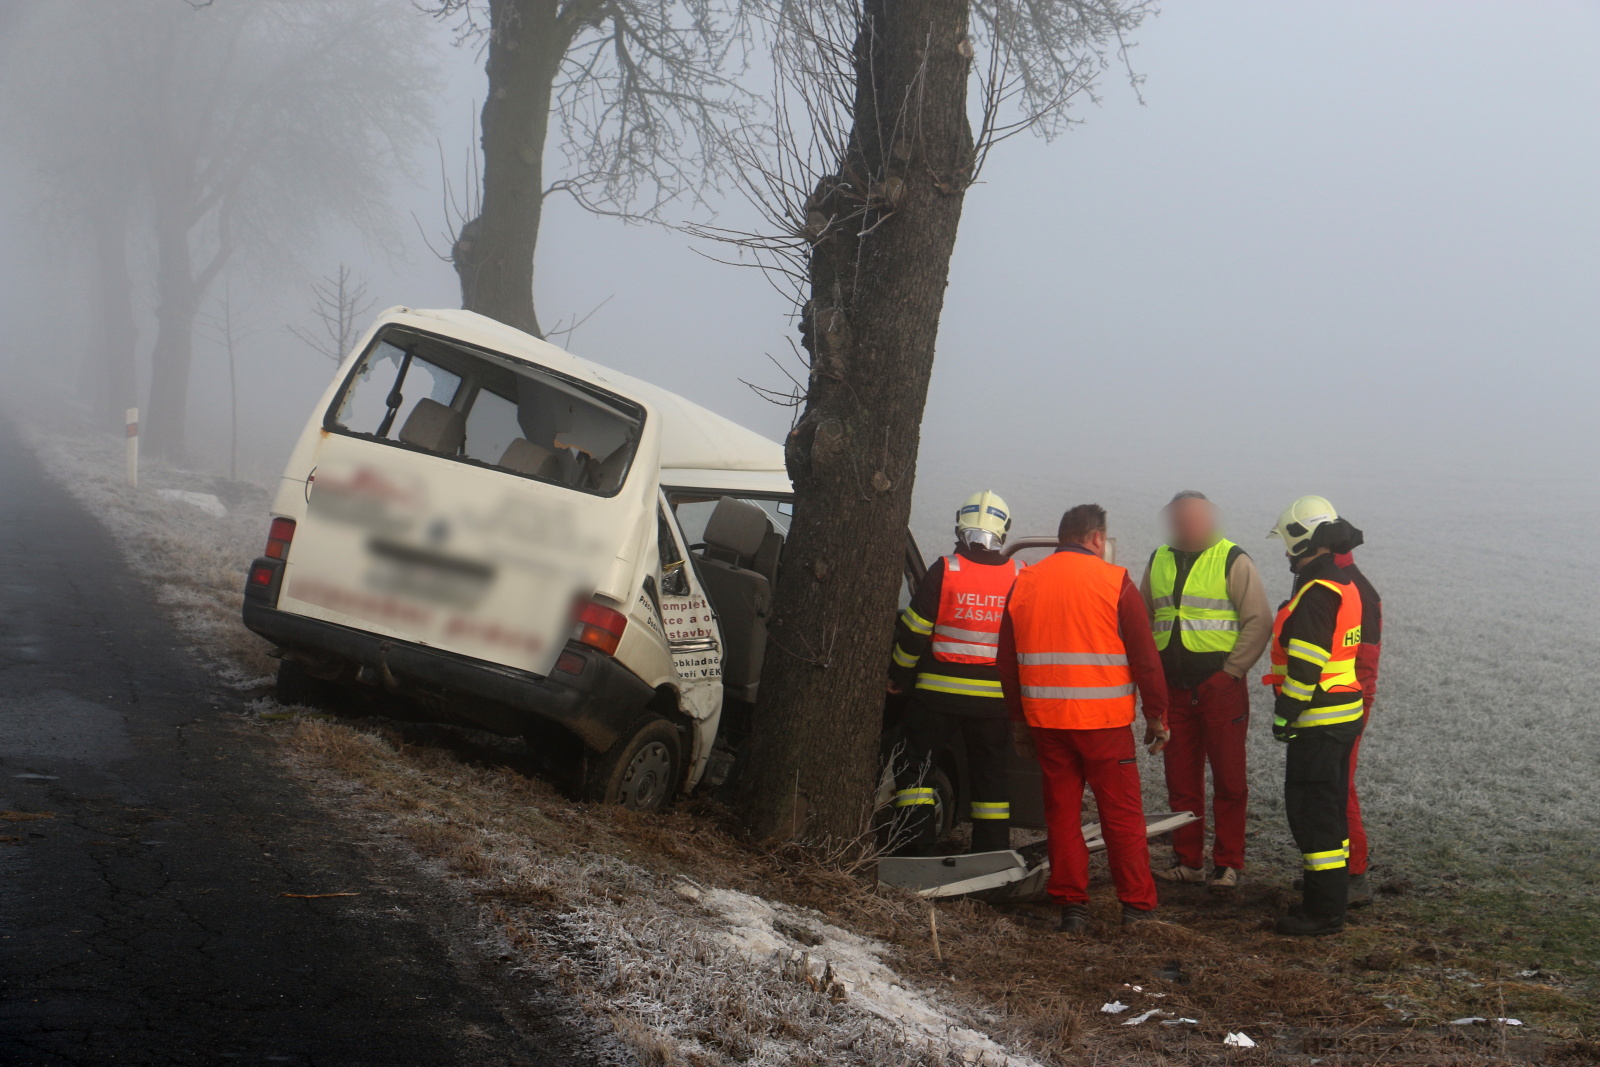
(884, 229)
(108, 371)
(493, 255)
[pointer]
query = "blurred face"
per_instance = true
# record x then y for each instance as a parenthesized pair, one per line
(1193, 524)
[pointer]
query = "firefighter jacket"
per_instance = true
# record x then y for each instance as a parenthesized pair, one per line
(1371, 626)
(946, 638)
(1075, 645)
(1315, 638)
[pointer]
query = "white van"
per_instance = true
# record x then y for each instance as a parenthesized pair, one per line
(513, 538)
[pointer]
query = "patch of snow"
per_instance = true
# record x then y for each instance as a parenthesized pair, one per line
(206, 502)
(759, 929)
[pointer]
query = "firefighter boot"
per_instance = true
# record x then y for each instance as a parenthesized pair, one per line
(1305, 924)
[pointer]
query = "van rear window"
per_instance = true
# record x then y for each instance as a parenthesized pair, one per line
(432, 395)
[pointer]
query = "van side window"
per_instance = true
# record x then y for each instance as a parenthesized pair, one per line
(366, 403)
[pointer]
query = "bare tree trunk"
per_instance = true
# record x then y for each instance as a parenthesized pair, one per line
(177, 303)
(493, 255)
(108, 370)
(878, 275)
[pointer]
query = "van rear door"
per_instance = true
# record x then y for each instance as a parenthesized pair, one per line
(465, 500)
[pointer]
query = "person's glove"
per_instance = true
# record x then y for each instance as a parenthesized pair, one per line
(1022, 740)
(1283, 730)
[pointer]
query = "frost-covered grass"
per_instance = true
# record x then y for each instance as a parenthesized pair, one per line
(702, 951)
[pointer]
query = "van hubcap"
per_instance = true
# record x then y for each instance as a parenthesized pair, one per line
(645, 783)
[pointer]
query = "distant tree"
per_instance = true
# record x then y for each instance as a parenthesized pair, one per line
(341, 304)
(247, 129)
(227, 326)
(638, 91)
(875, 154)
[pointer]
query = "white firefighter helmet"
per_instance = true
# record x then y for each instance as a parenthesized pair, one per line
(1299, 520)
(984, 520)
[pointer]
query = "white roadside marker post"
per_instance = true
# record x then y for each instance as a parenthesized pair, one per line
(133, 448)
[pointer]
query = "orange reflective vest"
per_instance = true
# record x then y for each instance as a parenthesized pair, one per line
(972, 601)
(1071, 663)
(1336, 696)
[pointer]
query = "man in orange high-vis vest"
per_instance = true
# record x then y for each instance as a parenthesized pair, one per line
(1075, 646)
(944, 649)
(1317, 708)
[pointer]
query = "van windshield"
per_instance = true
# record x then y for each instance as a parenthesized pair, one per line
(432, 395)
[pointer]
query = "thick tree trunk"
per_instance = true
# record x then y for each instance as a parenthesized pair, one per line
(107, 373)
(177, 302)
(884, 229)
(493, 255)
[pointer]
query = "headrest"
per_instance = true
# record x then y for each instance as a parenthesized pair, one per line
(525, 457)
(435, 427)
(738, 526)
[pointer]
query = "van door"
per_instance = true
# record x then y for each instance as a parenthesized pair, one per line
(688, 622)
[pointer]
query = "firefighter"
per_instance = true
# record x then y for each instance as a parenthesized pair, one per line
(1317, 710)
(1075, 645)
(944, 651)
(1211, 624)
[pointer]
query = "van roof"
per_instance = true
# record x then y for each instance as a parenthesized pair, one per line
(699, 448)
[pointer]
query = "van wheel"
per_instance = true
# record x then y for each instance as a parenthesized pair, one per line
(945, 815)
(641, 772)
(296, 685)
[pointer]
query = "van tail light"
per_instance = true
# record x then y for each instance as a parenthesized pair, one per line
(279, 537)
(599, 627)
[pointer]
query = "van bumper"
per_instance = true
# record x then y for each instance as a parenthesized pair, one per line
(596, 704)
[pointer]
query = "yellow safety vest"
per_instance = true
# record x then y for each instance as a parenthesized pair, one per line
(1202, 611)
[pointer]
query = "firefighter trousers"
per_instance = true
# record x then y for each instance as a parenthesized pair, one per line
(1107, 761)
(1210, 725)
(1316, 785)
(1358, 829)
(986, 740)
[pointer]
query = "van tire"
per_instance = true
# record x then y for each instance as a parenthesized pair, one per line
(298, 686)
(946, 801)
(641, 772)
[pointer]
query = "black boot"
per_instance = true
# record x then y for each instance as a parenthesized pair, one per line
(1305, 924)
(990, 835)
(1075, 919)
(1132, 915)
(1360, 892)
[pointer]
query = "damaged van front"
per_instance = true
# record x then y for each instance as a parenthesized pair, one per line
(472, 529)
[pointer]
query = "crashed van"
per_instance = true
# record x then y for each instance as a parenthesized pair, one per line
(499, 534)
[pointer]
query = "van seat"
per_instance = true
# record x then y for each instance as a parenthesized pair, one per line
(435, 427)
(735, 537)
(736, 531)
(525, 457)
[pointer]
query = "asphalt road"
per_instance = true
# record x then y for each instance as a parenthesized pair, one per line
(146, 842)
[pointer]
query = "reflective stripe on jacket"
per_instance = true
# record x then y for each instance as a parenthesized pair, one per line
(1072, 667)
(1200, 609)
(1336, 696)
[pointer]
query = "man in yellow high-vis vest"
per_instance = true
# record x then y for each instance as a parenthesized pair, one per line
(1211, 622)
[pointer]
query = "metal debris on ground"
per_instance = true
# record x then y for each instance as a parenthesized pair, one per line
(1238, 1041)
(1116, 1007)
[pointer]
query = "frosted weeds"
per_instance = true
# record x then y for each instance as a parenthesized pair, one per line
(688, 974)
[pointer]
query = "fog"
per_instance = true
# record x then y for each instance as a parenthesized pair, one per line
(1339, 248)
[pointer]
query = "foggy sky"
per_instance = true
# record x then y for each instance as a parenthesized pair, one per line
(1335, 242)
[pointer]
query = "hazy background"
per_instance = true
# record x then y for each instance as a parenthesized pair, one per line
(1351, 249)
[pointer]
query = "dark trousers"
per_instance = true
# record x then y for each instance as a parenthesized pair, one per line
(1316, 784)
(987, 741)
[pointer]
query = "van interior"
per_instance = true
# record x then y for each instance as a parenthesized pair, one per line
(736, 545)
(438, 396)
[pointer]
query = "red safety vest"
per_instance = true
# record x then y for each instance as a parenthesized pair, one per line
(1071, 662)
(972, 601)
(1336, 697)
